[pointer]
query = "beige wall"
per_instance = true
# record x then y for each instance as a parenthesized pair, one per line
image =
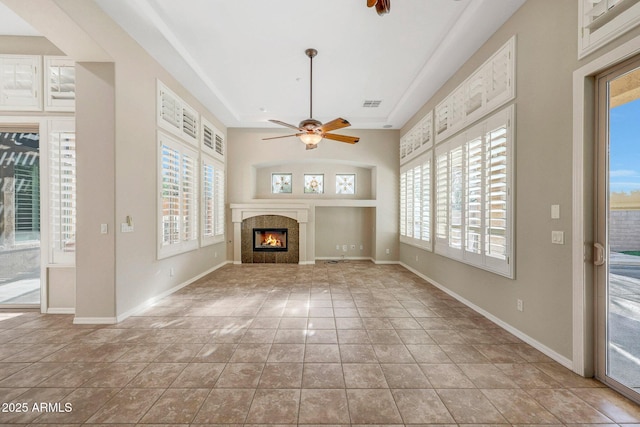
(375, 157)
(546, 56)
(339, 226)
(23, 45)
(117, 277)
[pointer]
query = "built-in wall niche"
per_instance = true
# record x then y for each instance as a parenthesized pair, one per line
(339, 181)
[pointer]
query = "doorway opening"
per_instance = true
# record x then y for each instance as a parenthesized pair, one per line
(617, 247)
(20, 254)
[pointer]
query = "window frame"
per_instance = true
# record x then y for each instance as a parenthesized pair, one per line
(442, 241)
(217, 198)
(181, 245)
(59, 126)
(408, 205)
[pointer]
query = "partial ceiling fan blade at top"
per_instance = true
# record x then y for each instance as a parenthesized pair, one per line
(283, 136)
(334, 124)
(371, 3)
(278, 122)
(341, 138)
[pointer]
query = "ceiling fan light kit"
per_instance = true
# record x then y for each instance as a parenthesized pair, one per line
(312, 131)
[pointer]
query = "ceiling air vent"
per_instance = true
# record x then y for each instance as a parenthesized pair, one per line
(371, 103)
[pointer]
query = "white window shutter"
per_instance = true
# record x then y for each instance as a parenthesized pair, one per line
(473, 196)
(170, 161)
(426, 199)
(403, 204)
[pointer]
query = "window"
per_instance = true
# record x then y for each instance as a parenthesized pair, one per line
(473, 203)
(178, 201)
(601, 21)
(213, 204)
(212, 140)
(176, 116)
(491, 86)
(60, 84)
(62, 165)
(415, 202)
(20, 83)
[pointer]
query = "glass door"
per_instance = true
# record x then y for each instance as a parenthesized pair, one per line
(19, 217)
(617, 247)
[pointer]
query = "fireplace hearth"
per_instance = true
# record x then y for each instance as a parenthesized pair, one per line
(270, 240)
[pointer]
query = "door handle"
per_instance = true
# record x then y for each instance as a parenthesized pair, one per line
(598, 254)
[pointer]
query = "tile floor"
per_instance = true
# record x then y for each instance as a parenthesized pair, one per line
(341, 344)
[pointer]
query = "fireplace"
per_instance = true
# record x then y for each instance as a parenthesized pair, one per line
(270, 239)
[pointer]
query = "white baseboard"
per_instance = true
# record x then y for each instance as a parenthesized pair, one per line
(60, 310)
(567, 363)
(94, 320)
(381, 262)
(306, 263)
(347, 258)
(148, 303)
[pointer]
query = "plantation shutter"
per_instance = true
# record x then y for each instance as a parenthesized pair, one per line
(426, 199)
(189, 198)
(442, 199)
(170, 195)
(219, 202)
(497, 193)
(410, 201)
(208, 199)
(403, 204)
(473, 196)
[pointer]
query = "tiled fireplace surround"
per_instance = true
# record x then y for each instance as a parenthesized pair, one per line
(246, 217)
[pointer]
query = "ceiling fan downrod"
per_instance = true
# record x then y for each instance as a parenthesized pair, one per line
(311, 53)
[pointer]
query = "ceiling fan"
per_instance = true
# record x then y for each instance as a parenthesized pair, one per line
(382, 6)
(311, 131)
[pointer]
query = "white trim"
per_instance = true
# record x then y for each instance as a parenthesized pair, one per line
(68, 310)
(382, 262)
(567, 363)
(94, 320)
(151, 301)
(347, 258)
(583, 309)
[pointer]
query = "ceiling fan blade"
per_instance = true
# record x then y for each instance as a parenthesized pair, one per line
(383, 7)
(278, 122)
(342, 138)
(283, 136)
(338, 123)
(371, 3)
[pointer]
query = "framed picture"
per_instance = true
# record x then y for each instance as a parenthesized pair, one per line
(314, 184)
(280, 183)
(346, 183)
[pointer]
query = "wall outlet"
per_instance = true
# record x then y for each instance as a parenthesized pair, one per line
(215, 254)
(387, 251)
(416, 257)
(171, 272)
(519, 305)
(353, 247)
(361, 247)
(337, 247)
(344, 248)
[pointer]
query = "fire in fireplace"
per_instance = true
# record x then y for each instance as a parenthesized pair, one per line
(270, 239)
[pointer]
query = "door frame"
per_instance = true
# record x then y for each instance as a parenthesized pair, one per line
(582, 204)
(601, 215)
(41, 122)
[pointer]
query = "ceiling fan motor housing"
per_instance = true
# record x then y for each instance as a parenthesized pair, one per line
(310, 125)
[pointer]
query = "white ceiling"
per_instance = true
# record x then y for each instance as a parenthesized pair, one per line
(245, 61)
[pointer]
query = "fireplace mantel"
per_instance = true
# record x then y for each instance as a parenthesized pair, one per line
(295, 211)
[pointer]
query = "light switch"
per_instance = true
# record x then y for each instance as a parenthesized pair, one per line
(555, 211)
(104, 228)
(557, 237)
(126, 228)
